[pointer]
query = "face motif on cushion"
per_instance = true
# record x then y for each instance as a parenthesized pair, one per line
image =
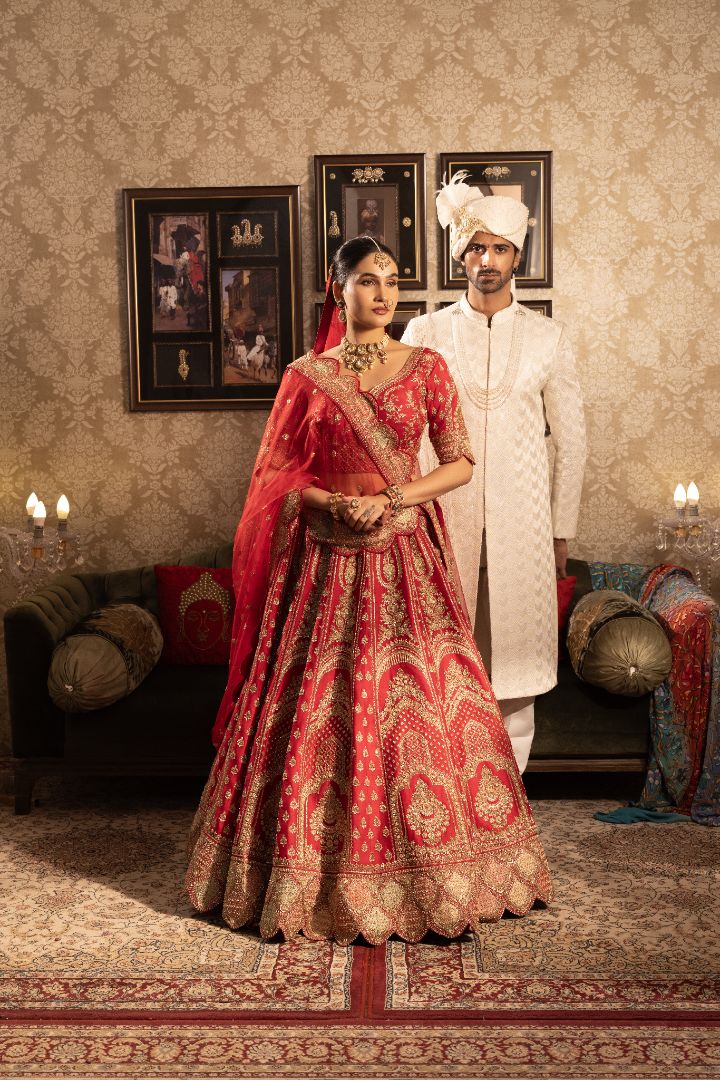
(204, 613)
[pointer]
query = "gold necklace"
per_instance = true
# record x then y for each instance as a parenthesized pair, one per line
(359, 356)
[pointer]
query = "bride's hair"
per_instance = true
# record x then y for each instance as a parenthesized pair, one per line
(349, 254)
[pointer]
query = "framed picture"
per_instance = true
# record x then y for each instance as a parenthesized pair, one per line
(521, 176)
(543, 306)
(381, 196)
(214, 310)
(404, 312)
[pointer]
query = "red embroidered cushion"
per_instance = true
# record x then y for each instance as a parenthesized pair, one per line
(565, 590)
(195, 608)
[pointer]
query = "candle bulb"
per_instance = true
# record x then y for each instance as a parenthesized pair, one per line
(63, 509)
(30, 508)
(39, 514)
(680, 498)
(693, 497)
(38, 547)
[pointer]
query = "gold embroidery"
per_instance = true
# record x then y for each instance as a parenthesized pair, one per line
(427, 815)
(327, 821)
(291, 506)
(205, 588)
(326, 530)
(493, 802)
(379, 441)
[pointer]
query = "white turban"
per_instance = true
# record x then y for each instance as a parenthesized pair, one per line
(467, 211)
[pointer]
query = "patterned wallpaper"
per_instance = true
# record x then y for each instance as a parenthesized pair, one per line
(103, 94)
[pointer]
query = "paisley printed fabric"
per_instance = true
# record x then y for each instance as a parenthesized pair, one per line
(684, 764)
(365, 783)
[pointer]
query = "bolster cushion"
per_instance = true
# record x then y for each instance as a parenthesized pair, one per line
(107, 656)
(616, 644)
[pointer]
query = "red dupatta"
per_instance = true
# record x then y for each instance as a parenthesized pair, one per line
(283, 468)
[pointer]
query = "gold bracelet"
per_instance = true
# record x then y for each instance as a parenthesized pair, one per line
(396, 496)
(335, 498)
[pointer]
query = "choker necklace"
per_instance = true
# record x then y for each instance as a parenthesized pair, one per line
(359, 356)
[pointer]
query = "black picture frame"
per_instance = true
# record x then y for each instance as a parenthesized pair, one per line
(381, 194)
(405, 310)
(214, 295)
(525, 176)
(543, 307)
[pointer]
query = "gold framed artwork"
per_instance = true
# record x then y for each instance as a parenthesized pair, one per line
(381, 195)
(523, 176)
(213, 285)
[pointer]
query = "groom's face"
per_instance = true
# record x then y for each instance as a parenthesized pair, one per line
(489, 261)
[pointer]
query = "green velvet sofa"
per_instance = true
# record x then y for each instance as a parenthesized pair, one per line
(163, 727)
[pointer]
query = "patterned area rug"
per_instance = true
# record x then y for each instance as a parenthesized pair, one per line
(106, 972)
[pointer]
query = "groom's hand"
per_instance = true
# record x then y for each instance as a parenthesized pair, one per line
(561, 557)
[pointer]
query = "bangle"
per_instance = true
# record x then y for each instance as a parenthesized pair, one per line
(335, 498)
(395, 496)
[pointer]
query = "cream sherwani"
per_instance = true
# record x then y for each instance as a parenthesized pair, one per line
(504, 373)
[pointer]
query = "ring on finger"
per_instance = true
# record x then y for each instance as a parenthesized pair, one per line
(354, 503)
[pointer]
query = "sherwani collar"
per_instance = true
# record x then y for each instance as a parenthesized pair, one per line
(502, 316)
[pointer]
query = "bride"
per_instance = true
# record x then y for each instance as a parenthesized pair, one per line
(364, 783)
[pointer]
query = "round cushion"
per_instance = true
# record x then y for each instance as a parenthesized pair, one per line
(105, 658)
(615, 643)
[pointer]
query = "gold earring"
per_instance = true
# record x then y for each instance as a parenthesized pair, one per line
(342, 314)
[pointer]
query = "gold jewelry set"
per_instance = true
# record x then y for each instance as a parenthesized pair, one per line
(360, 356)
(335, 498)
(392, 492)
(395, 497)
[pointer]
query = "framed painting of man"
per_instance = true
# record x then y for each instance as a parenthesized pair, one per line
(383, 196)
(213, 285)
(522, 176)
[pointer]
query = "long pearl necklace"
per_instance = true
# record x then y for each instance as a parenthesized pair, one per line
(359, 356)
(491, 398)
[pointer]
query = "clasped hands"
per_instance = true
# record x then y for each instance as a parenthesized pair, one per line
(362, 513)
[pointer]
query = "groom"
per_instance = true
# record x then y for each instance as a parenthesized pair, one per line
(509, 527)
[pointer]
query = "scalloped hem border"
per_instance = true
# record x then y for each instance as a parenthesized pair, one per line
(342, 906)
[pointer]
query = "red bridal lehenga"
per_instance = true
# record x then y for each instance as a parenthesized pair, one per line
(364, 782)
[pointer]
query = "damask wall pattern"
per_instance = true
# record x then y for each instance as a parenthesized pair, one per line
(98, 95)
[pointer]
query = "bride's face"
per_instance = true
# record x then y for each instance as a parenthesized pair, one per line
(371, 293)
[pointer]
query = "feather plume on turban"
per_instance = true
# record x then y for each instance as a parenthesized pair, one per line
(467, 211)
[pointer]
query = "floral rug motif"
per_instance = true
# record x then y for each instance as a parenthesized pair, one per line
(92, 917)
(367, 1052)
(106, 972)
(631, 928)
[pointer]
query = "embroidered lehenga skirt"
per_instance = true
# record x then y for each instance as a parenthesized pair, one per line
(366, 784)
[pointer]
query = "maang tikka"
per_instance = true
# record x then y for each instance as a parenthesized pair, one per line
(381, 260)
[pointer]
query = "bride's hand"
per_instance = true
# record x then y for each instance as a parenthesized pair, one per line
(363, 512)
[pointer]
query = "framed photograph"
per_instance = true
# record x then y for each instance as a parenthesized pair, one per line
(214, 295)
(543, 306)
(404, 312)
(522, 176)
(381, 196)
